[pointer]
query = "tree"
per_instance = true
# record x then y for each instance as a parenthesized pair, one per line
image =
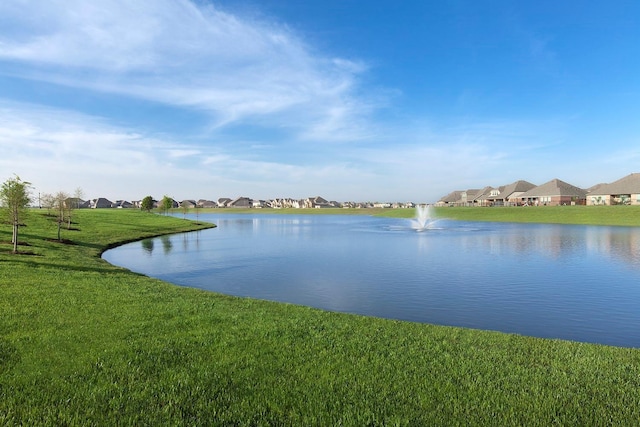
(73, 203)
(47, 201)
(15, 197)
(79, 194)
(60, 203)
(166, 204)
(147, 204)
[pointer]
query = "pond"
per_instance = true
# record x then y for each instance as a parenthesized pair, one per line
(579, 283)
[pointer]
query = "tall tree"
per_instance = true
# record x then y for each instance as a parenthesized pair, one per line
(15, 197)
(147, 204)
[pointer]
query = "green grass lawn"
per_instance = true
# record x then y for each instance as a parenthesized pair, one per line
(587, 215)
(83, 342)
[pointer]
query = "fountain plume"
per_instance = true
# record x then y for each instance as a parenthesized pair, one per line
(424, 218)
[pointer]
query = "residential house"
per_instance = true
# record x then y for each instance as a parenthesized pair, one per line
(241, 202)
(480, 197)
(202, 203)
(554, 193)
(317, 202)
(100, 203)
(625, 191)
(223, 202)
(76, 203)
(285, 203)
(450, 199)
(259, 204)
(508, 195)
(488, 197)
(467, 196)
(383, 205)
(189, 204)
(123, 204)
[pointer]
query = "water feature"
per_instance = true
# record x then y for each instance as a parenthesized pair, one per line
(570, 282)
(424, 218)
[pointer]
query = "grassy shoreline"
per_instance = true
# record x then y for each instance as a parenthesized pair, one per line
(83, 342)
(628, 216)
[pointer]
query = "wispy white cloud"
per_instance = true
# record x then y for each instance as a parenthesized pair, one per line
(279, 110)
(186, 54)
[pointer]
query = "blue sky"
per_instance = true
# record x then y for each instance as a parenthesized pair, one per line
(347, 99)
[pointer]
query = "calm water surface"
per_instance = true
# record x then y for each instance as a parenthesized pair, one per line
(572, 282)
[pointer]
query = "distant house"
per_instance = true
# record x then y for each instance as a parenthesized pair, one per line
(508, 195)
(260, 204)
(480, 197)
(190, 204)
(138, 203)
(207, 203)
(467, 197)
(123, 204)
(76, 203)
(100, 203)
(241, 202)
(384, 205)
(223, 202)
(555, 192)
(451, 199)
(316, 203)
(625, 191)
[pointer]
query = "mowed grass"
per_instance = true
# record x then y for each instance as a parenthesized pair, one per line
(585, 215)
(86, 343)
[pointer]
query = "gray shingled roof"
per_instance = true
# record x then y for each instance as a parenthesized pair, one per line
(555, 187)
(452, 197)
(481, 194)
(513, 188)
(630, 184)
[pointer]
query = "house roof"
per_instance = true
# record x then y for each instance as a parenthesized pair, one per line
(481, 194)
(630, 184)
(452, 197)
(555, 187)
(487, 194)
(515, 187)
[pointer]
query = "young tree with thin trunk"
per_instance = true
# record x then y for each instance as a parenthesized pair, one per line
(60, 203)
(78, 195)
(73, 203)
(47, 201)
(166, 204)
(15, 198)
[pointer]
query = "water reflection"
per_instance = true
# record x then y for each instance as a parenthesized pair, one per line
(147, 246)
(167, 245)
(570, 282)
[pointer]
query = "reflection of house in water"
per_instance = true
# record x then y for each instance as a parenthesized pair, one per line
(621, 243)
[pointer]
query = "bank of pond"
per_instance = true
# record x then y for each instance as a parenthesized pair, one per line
(86, 342)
